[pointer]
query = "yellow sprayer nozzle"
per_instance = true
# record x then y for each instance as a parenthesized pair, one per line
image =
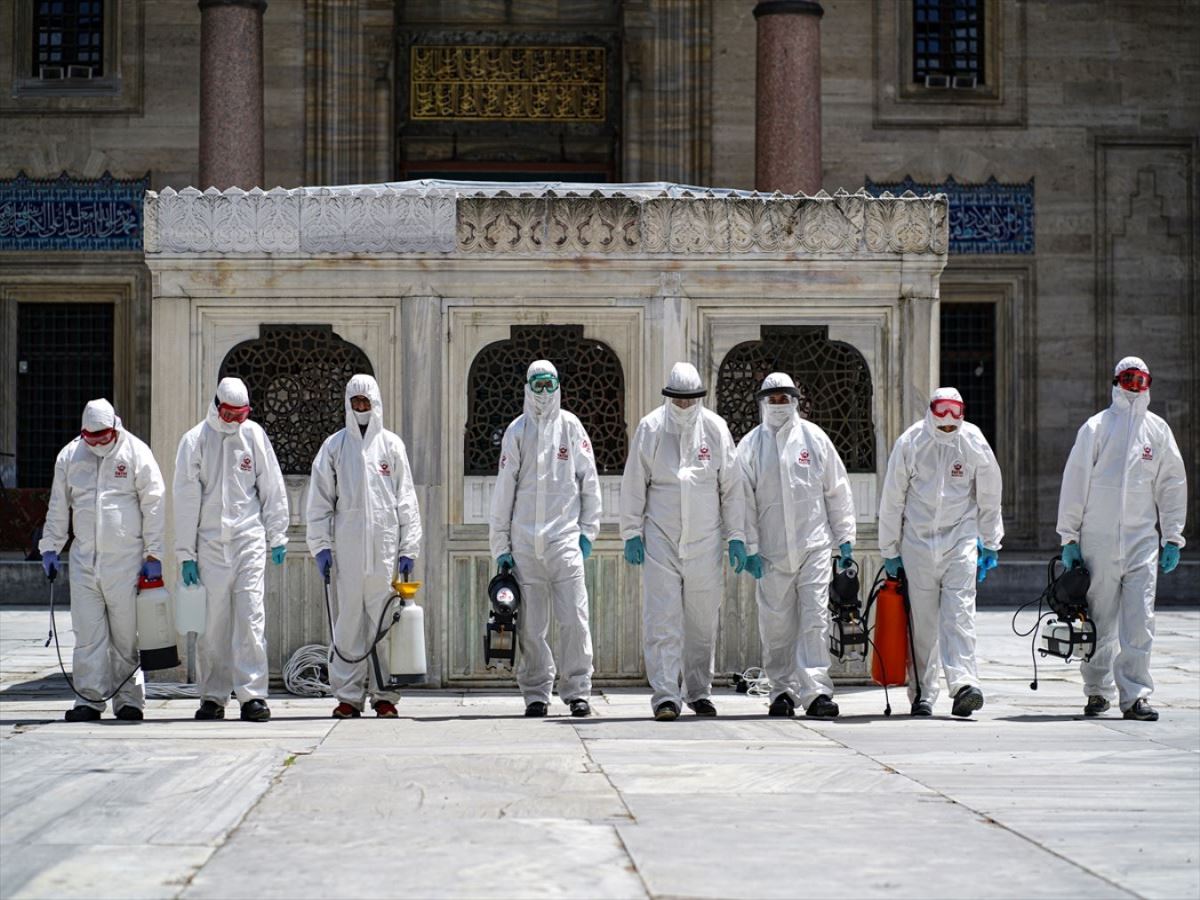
(406, 589)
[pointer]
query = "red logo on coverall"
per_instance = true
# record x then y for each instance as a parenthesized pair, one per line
(1148, 452)
(562, 452)
(246, 465)
(956, 470)
(503, 461)
(384, 468)
(585, 446)
(705, 453)
(804, 458)
(121, 471)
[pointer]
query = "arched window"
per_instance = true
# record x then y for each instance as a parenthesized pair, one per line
(832, 376)
(296, 375)
(593, 386)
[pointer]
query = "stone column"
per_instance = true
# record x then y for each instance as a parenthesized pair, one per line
(231, 93)
(787, 134)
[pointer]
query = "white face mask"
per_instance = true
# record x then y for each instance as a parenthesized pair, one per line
(778, 415)
(683, 417)
(102, 450)
(362, 418)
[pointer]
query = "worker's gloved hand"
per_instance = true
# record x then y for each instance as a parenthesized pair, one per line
(754, 565)
(278, 555)
(1071, 557)
(847, 559)
(151, 569)
(324, 561)
(585, 546)
(635, 551)
(190, 572)
(1169, 558)
(893, 566)
(737, 555)
(50, 564)
(404, 565)
(505, 561)
(986, 561)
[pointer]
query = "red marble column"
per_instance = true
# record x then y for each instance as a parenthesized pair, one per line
(787, 134)
(231, 93)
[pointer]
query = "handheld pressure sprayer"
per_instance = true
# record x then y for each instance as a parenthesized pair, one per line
(500, 632)
(890, 635)
(847, 628)
(1070, 634)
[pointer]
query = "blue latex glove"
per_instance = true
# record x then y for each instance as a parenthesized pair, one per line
(151, 569)
(278, 554)
(847, 560)
(1169, 558)
(325, 563)
(754, 565)
(987, 560)
(893, 566)
(50, 564)
(505, 561)
(737, 555)
(1071, 557)
(404, 565)
(585, 545)
(190, 572)
(635, 551)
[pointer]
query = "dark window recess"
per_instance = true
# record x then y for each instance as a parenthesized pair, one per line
(948, 43)
(593, 388)
(832, 375)
(968, 352)
(68, 39)
(64, 359)
(296, 376)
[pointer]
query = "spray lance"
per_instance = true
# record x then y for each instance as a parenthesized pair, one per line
(1068, 633)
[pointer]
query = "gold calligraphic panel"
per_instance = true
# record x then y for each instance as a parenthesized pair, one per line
(509, 84)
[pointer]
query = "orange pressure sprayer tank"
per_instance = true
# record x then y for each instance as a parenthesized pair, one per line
(889, 663)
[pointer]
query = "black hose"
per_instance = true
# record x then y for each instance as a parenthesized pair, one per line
(62, 667)
(380, 631)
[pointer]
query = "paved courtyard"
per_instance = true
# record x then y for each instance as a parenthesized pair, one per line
(464, 798)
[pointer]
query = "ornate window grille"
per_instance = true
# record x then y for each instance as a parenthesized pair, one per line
(948, 43)
(593, 386)
(968, 360)
(68, 39)
(297, 375)
(832, 376)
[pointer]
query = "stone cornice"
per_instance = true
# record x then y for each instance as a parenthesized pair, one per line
(459, 219)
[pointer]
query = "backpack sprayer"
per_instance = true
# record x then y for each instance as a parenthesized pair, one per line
(402, 626)
(500, 633)
(1070, 634)
(847, 630)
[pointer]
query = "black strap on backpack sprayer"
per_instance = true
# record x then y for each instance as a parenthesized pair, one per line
(53, 634)
(1057, 605)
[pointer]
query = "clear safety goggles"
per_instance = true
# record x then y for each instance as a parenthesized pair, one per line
(943, 408)
(99, 438)
(231, 414)
(543, 384)
(1133, 380)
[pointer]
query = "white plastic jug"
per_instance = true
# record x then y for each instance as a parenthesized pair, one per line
(191, 608)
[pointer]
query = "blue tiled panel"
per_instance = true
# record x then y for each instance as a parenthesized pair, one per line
(984, 218)
(66, 213)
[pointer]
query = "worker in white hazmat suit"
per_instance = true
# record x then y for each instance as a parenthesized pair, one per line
(230, 506)
(681, 501)
(940, 521)
(1124, 496)
(798, 508)
(109, 491)
(545, 516)
(364, 526)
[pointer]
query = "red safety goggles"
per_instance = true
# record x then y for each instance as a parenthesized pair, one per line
(99, 438)
(951, 408)
(229, 413)
(1134, 380)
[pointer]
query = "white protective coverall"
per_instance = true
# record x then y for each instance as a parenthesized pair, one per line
(112, 496)
(799, 507)
(941, 493)
(362, 505)
(682, 495)
(547, 494)
(1124, 477)
(230, 506)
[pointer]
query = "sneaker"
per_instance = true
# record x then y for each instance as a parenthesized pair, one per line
(822, 708)
(82, 714)
(256, 710)
(386, 709)
(1142, 711)
(210, 709)
(535, 710)
(783, 705)
(922, 708)
(666, 712)
(345, 710)
(967, 700)
(1096, 705)
(129, 714)
(703, 707)
(580, 708)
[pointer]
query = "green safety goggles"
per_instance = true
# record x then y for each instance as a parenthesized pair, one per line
(543, 384)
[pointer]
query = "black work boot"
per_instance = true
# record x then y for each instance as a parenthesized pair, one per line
(666, 712)
(580, 708)
(822, 708)
(535, 710)
(922, 708)
(783, 706)
(1096, 705)
(130, 714)
(1142, 711)
(256, 710)
(82, 714)
(210, 709)
(967, 700)
(703, 707)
